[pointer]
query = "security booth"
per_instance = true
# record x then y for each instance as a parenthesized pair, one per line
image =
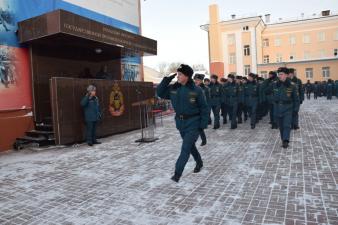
(68, 52)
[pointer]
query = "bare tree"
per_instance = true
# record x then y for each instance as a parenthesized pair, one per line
(172, 68)
(162, 68)
(199, 67)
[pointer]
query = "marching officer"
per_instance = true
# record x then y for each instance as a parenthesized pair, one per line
(300, 90)
(316, 90)
(308, 89)
(329, 89)
(336, 88)
(251, 93)
(191, 109)
(286, 101)
(224, 111)
(198, 79)
(267, 91)
(231, 98)
(241, 99)
(215, 99)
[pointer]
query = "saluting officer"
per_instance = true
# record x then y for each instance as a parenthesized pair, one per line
(191, 109)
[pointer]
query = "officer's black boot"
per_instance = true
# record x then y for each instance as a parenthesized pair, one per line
(216, 127)
(295, 127)
(274, 126)
(225, 121)
(285, 144)
(198, 168)
(176, 178)
(204, 142)
(253, 126)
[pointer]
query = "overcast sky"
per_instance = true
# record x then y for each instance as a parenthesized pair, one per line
(175, 24)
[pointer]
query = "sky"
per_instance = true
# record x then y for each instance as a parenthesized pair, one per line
(175, 24)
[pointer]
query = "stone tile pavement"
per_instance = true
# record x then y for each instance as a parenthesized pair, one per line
(248, 178)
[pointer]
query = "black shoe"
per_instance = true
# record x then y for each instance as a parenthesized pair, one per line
(216, 127)
(285, 144)
(296, 127)
(176, 178)
(97, 143)
(274, 126)
(198, 168)
(90, 144)
(209, 122)
(253, 126)
(225, 122)
(233, 127)
(245, 119)
(204, 142)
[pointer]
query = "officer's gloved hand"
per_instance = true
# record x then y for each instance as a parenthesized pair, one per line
(172, 76)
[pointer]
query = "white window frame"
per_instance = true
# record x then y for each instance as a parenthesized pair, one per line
(247, 70)
(306, 39)
(278, 41)
(231, 39)
(264, 74)
(292, 40)
(309, 73)
(326, 72)
(307, 55)
(279, 57)
(232, 58)
(321, 36)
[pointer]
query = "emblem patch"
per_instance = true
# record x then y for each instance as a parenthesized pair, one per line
(116, 103)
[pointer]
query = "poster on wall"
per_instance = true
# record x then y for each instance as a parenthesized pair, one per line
(15, 85)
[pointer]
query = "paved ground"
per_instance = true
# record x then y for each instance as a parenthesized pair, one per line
(248, 178)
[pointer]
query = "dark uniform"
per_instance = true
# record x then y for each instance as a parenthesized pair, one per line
(308, 89)
(224, 110)
(316, 90)
(298, 83)
(206, 92)
(215, 100)
(191, 117)
(286, 101)
(336, 88)
(267, 92)
(329, 89)
(251, 93)
(241, 100)
(231, 98)
(92, 114)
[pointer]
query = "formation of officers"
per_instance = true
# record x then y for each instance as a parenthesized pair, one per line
(319, 89)
(238, 99)
(235, 99)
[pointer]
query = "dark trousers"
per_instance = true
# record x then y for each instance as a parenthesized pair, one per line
(232, 109)
(271, 114)
(91, 132)
(188, 147)
(252, 109)
(315, 96)
(240, 111)
(224, 112)
(308, 95)
(203, 136)
(216, 110)
(295, 119)
(284, 123)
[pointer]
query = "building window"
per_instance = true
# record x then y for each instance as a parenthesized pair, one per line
(278, 41)
(265, 59)
(246, 70)
(322, 53)
(232, 58)
(309, 73)
(279, 58)
(292, 40)
(306, 55)
(231, 39)
(246, 50)
(326, 72)
(265, 42)
(321, 36)
(245, 28)
(335, 52)
(264, 74)
(306, 39)
(292, 57)
(335, 35)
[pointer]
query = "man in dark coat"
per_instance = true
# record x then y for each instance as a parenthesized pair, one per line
(191, 109)
(92, 113)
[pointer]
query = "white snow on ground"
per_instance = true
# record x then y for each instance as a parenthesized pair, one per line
(247, 179)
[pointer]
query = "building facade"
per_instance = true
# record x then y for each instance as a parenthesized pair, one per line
(251, 44)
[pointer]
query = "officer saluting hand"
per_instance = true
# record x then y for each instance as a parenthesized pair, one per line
(192, 111)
